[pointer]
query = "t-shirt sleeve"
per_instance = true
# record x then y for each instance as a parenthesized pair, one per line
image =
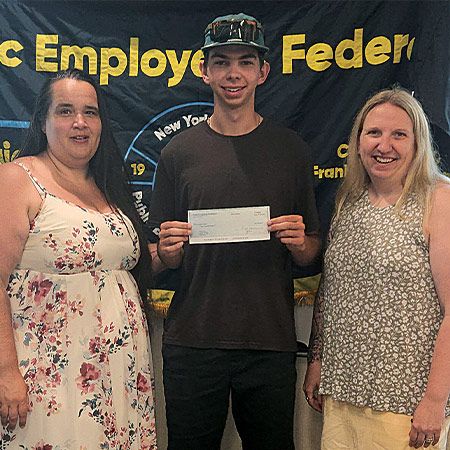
(162, 202)
(306, 197)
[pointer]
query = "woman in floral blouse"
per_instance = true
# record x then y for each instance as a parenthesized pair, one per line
(379, 359)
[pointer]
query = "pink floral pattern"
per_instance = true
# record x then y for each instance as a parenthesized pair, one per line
(81, 337)
(78, 249)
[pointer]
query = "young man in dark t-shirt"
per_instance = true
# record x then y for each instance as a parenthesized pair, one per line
(230, 327)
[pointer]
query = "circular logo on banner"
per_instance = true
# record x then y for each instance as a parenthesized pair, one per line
(144, 151)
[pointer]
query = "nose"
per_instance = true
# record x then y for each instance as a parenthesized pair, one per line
(384, 144)
(233, 71)
(79, 121)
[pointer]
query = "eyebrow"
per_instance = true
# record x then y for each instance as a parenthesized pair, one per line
(70, 105)
(375, 127)
(66, 105)
(224, 56)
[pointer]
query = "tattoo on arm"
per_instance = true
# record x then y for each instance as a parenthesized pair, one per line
(316, 337)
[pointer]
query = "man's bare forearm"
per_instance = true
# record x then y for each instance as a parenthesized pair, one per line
(307, 255)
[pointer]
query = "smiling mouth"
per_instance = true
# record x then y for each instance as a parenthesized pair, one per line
(383, 160)
(80, 138)
(235, 89)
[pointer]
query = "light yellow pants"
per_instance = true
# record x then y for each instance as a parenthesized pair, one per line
(352, 428)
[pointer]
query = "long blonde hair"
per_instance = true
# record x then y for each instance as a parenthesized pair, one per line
(424, 173)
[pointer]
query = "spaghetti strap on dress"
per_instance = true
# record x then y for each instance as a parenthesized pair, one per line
(80, 333)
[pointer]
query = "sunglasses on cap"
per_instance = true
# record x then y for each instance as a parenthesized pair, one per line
(242, 29)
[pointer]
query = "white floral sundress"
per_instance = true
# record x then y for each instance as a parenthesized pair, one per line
(81, 337)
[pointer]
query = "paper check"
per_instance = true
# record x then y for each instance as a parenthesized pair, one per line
(212, 226)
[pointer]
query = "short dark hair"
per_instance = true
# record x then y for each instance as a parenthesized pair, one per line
(106, 166)
(206, 56)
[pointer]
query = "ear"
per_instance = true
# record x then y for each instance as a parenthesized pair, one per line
(204, 71)
(43, 127)
(263, 72)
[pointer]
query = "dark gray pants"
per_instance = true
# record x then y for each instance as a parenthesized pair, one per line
(197, 386)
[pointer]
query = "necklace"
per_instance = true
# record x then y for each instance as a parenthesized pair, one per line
(258, 121)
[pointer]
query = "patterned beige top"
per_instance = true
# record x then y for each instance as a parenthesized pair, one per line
(381, 312)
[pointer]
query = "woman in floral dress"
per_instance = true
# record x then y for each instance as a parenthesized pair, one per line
(75, 365)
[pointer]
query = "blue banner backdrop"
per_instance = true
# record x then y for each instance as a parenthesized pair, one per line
(326, 58)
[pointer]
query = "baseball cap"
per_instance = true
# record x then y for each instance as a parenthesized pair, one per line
(235, 29)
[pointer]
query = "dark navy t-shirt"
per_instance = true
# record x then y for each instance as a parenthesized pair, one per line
(234, 295)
